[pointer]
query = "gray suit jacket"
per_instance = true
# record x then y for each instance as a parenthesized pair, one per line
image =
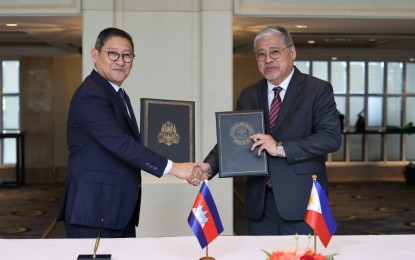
(308, 126)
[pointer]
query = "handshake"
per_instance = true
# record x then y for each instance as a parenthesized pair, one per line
(194, 173)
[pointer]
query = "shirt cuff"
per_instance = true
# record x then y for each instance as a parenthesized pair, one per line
(168, 166)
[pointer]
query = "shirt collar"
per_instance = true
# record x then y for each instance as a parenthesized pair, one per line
(116, 88)
(283, 85)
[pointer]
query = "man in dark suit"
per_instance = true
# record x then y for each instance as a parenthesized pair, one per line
(105, 150)
(306, 129)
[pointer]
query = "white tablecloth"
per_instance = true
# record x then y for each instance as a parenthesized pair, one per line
(377, 247)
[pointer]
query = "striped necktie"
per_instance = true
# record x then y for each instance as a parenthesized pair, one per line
(275, 106)
(273, 113)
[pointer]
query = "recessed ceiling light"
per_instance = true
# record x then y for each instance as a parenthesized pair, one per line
(311, 41)
(338, 39)
(411, 59)
(333, 58)
(11, 24)
(301, 26)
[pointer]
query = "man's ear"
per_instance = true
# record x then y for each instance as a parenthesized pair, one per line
(94, 54)
(293, 52)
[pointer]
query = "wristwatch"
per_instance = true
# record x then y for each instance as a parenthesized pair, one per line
(280, 150)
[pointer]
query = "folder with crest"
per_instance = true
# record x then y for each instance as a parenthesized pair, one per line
(234, 144)
(168, 128)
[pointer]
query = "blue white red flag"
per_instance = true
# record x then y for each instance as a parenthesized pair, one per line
(319, 215)
(204, 218)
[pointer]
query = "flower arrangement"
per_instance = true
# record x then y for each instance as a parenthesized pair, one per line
(295, 253)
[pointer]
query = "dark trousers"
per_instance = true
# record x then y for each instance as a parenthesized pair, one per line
(78, 231)
(271, 223)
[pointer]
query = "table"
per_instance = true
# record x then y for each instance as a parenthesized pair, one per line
(20, 168)
(222, 248)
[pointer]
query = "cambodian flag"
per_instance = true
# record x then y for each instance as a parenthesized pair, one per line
(318, 214)
(204, 219)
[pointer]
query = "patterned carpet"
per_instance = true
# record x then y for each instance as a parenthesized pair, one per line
(359, 208)
(29, 211)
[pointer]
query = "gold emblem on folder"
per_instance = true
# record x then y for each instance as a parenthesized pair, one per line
(240, 133)
(168, 134)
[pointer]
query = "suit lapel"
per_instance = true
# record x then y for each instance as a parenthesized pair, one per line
(263, 102)
(293, 90)
(114, 95)
(132, 120)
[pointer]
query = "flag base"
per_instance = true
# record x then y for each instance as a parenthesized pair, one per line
(92, 257)
(207, 258)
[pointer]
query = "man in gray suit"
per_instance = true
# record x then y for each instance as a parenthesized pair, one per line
(305, 130)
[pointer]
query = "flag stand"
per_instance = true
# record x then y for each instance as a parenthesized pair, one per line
(315, 235)
(204, 219)
(207, 257)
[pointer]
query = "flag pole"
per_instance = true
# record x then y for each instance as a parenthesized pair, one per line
(315, 235)
(215, 220)
(207, 257)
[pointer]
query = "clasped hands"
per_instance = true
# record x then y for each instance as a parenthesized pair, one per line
(194, 173)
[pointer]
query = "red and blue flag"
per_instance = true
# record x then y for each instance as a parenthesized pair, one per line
(204, 218)
(319, 215)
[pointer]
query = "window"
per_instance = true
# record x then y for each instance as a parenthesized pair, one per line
(384, 93)
(10, 103)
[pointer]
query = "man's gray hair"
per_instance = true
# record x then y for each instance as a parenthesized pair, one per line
(274, 31)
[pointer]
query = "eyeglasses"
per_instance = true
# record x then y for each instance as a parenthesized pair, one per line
(114, 56)
(274, 54)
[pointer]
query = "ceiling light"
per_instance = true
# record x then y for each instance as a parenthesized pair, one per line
(311, 41)
(338, 39)
(333, 58)
(11, 24)
(301, 26)
(411, 59)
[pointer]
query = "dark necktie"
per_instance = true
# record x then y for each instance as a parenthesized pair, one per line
(124, 101)
(273, 113)
(275, 106)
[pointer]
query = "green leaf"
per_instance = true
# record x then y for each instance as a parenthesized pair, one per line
(268, 254)
(330, 257)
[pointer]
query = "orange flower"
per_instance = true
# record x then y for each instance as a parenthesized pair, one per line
(292, 255)
(309, 255)
(280, 255)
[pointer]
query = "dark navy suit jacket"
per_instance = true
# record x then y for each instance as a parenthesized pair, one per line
(105, 158)
(308, 126)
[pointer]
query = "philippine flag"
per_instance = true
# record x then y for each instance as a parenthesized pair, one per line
(204, 219)
(318, 214)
